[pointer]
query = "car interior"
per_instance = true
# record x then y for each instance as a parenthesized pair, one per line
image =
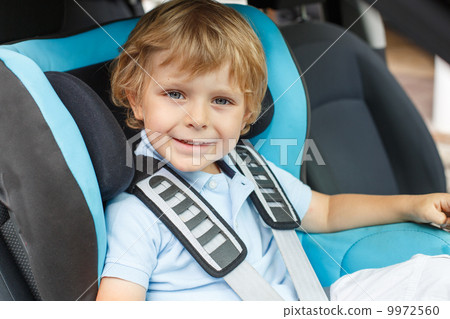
(65, 145)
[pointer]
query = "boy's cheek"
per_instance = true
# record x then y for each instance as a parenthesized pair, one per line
(158, 140)
(228, 145)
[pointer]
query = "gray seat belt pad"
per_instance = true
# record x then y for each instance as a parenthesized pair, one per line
(277, 212)
(215, 244)
(202, 231)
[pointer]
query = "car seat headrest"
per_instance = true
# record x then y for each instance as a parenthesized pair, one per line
(105, 140)
(264, 118)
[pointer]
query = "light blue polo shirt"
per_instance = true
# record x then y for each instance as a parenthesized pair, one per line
(142, 250)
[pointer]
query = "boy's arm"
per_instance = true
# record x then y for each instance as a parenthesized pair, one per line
(114, 289)
(339, 212)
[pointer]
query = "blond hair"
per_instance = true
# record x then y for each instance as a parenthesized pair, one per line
(200, 35)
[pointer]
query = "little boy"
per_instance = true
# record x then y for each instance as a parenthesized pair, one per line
(193, 76)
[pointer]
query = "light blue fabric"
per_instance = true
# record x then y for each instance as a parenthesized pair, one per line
(336, 254)
(142, 250)
(76, 51)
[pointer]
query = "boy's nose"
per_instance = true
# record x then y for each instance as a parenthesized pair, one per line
(197, 117)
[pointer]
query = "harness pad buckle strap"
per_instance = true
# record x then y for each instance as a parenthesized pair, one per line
(268, 196)
(195, 223)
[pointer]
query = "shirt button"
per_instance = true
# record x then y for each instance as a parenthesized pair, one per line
(212, 184)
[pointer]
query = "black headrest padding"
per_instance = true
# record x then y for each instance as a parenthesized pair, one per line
(105, 140)
(264, 119)
(97, 77)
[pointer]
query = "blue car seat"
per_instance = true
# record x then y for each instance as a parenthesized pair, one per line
(64, 156)
(371, 137)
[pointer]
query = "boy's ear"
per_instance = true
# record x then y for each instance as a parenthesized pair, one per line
(245, 119)
(137, 108)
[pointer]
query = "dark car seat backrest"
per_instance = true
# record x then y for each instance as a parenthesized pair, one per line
(16, 280)
(23, 19)
(369, 134)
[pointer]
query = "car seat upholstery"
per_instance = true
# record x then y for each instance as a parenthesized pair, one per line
(38, 189)
(372, 141)
(65, 156)
(48, 182)
(368, 132)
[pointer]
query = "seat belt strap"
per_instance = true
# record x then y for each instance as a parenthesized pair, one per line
(250, 285)
(276, 210)
(201, 230)
(303, 276)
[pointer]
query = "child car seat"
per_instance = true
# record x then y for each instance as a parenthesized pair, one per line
(57, 166)
(371, 138)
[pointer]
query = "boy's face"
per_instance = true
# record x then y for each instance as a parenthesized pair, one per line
(191, 121)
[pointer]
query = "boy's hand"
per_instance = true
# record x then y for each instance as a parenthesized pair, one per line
(431, 208)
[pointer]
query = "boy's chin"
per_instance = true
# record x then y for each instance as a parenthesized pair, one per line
(190, 167)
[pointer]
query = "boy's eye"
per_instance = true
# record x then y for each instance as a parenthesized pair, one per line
(175, 95)
(222, 101)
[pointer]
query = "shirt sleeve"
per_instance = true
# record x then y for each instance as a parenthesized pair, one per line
(133, 240)
(299, 194)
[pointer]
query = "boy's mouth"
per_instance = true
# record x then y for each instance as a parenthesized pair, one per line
(194, 143)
